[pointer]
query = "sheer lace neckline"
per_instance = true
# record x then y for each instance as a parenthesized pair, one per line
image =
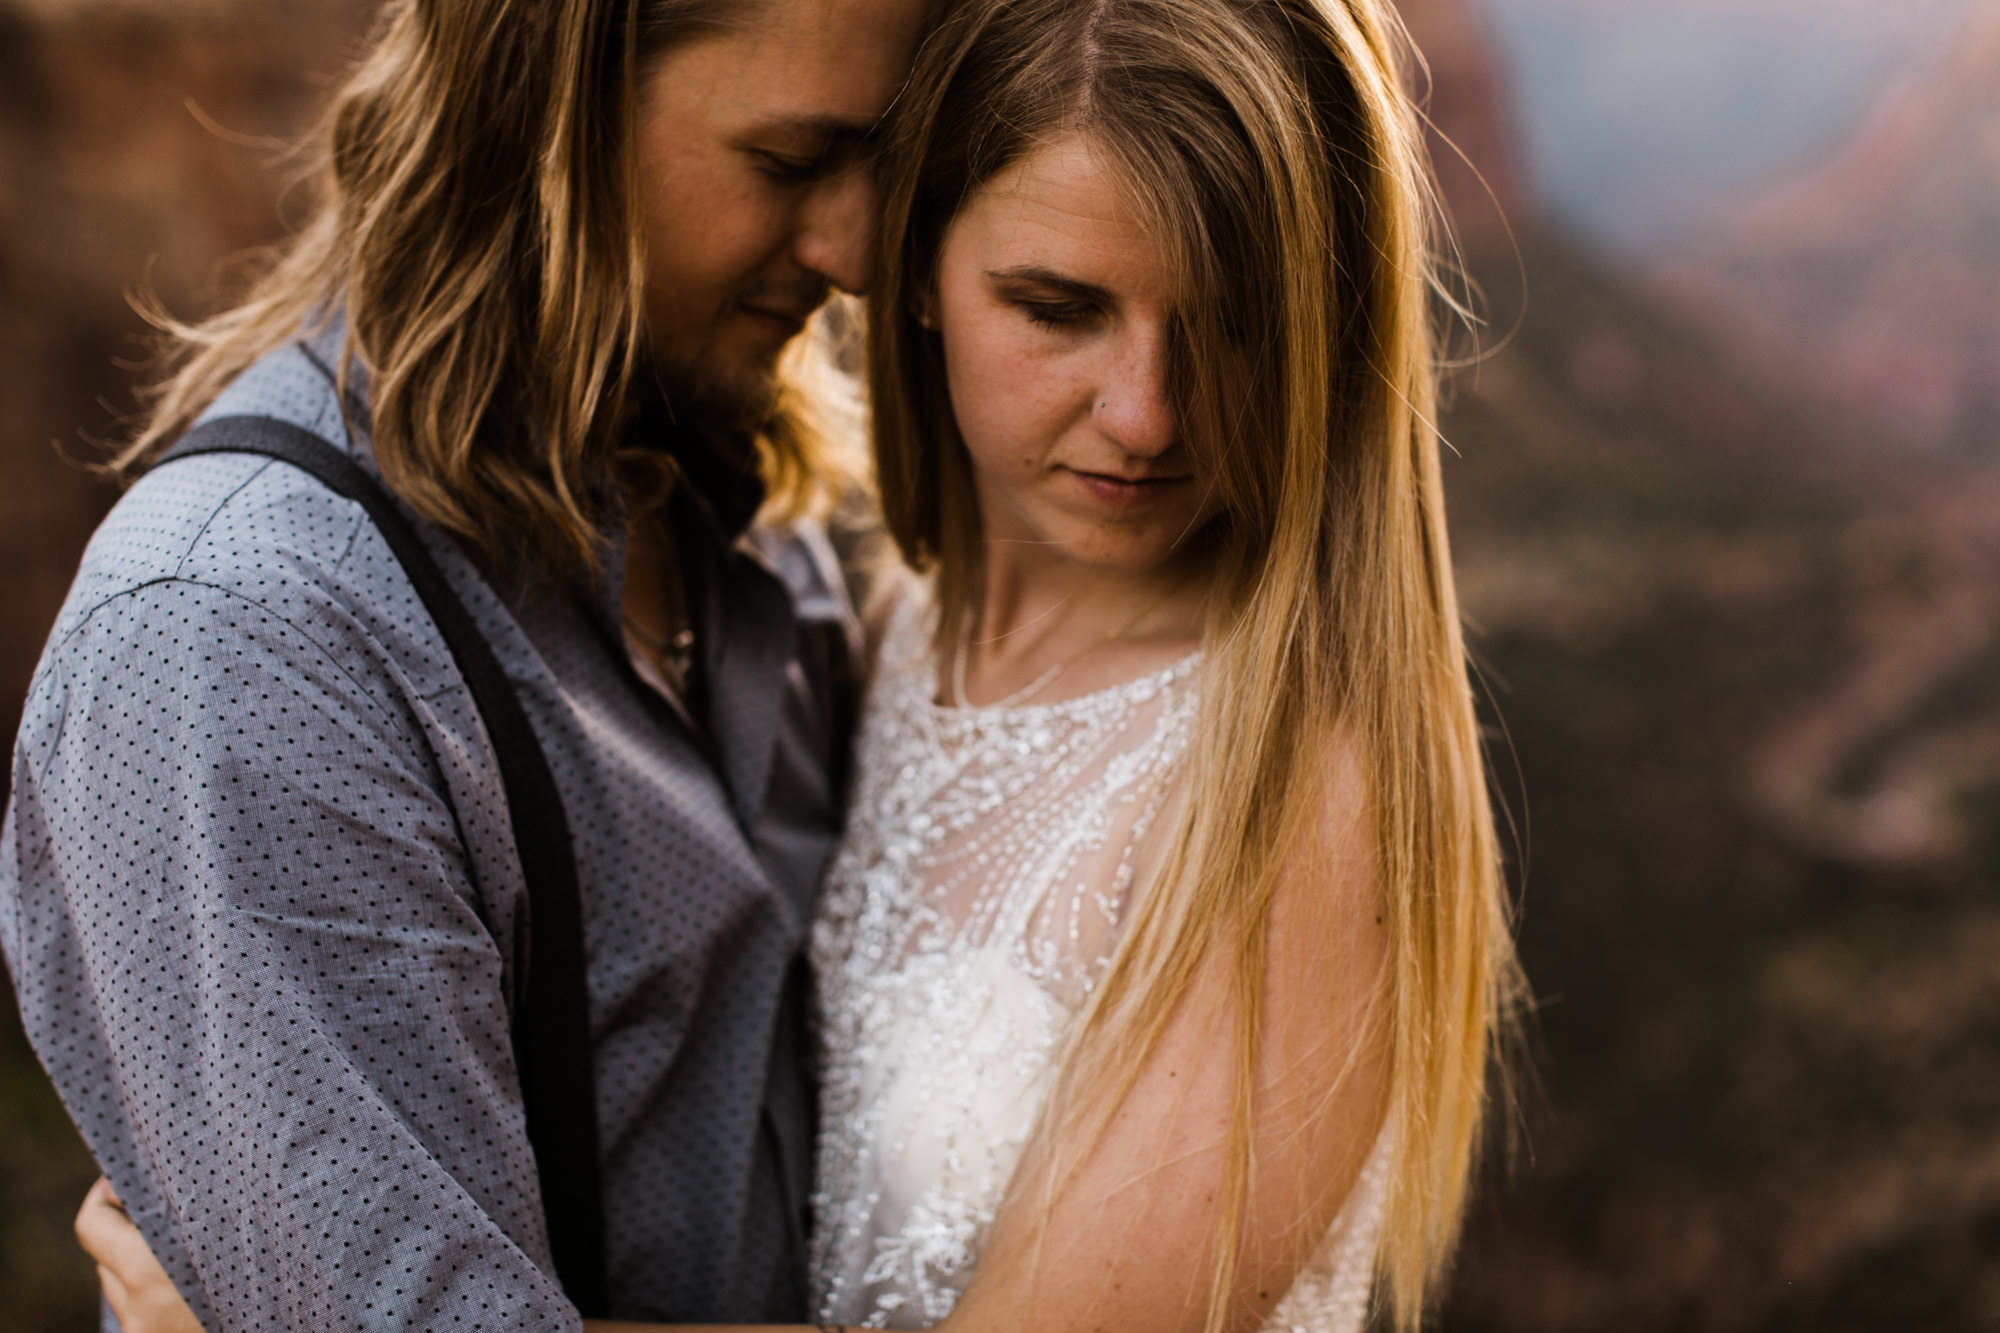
(1142, 686)
(976, 897)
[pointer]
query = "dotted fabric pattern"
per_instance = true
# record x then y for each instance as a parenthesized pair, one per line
(259, 893)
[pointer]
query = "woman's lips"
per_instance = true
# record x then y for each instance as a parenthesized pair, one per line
(1123, 491)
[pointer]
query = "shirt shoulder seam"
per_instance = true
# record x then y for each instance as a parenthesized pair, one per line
(215, 513)
(57, 649)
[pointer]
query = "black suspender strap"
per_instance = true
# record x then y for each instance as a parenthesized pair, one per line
(552, 1015)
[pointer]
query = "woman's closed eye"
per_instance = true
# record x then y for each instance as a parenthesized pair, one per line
(1058, 314)
(795, 169)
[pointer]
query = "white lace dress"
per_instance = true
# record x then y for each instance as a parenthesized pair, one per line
(972, 904)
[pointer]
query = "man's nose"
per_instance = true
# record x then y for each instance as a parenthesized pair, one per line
(1135, 406)
(836, 234)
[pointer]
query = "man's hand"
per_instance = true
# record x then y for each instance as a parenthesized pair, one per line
(136, 1288)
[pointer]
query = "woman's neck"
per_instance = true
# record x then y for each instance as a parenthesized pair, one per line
(1083, 629)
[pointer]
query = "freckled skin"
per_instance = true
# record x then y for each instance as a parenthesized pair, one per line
(1053, 305)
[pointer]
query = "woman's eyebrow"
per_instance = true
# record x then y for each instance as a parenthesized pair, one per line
(1048, 277)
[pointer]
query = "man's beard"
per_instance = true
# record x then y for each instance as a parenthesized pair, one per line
(702, 398)
(713, 397)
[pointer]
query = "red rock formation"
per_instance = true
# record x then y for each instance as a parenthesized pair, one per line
(1877, 275)
(1474, 140)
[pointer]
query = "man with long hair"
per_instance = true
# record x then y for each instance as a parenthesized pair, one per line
(261, 887)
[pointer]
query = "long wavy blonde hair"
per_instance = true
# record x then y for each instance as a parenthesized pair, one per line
(476, 219)
(1273, 151)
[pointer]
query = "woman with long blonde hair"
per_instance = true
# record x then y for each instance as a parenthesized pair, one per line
(1163, 960)
(1172, 873)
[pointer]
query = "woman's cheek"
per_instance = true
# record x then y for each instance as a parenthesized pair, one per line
(978, 383)
(988, 373)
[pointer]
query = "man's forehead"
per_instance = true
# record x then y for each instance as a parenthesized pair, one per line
(839, 29)
(832, 17)
(819, 68)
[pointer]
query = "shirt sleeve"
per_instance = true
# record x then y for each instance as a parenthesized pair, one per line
(247, 946)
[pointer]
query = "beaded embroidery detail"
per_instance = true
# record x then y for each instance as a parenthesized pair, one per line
(972, 904)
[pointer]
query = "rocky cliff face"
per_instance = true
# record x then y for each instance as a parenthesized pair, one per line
(1875, 277)
(1474, 140)
(1740, 649)
(1739, 655)
(1645, 117)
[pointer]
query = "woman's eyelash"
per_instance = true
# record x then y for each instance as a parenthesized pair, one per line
(792, 169)
(1055, 314)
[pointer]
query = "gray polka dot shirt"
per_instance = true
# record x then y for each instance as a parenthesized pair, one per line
(258, 890)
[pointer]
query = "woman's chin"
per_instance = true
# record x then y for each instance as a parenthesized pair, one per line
(1122, 560)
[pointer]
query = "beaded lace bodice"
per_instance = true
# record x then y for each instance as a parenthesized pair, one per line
(972, 904)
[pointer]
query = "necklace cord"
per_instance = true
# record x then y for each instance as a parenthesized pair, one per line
(962, 650)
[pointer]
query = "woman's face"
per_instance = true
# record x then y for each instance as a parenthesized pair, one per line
(1053, 304)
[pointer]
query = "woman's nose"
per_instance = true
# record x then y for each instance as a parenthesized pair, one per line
(1134, 406)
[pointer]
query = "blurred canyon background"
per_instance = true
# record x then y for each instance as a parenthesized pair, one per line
(1726, 500)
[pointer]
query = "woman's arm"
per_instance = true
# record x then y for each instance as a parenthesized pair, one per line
(1128, 1241)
